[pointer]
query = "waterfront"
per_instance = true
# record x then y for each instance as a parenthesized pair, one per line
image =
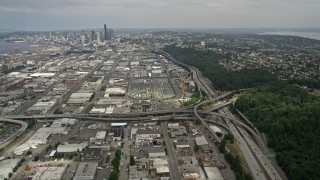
(311, 35)
(8, 47)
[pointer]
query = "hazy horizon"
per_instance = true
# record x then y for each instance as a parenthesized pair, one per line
(42, 15)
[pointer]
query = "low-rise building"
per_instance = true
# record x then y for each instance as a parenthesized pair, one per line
(52, 173)
(201, 141)
(156, 152)
(68, 148)
(92, 154)
(6, 167)
(147, 134)
(212, 173)
(86, 171)
(116, 134)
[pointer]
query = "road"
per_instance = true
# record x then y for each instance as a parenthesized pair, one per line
(125, 157)
(23, 128)
(66, 97)
(257, 164)
(173, 162)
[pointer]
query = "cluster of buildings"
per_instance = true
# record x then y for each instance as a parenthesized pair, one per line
(41, 136)
(97, 37)
(286, 56)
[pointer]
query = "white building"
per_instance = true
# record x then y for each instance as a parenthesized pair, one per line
(147, 134)
(49, 173)
(86, 171)
(115, 91)
(160, 165)
(213, 173)
(46, 75)
(201, 141)
(67, 148)
(156, 152)
(6, 167)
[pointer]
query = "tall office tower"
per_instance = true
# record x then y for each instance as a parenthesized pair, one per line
(106, 33)
(93, 36)
(111, 34)
(100, 37)
(83, 38)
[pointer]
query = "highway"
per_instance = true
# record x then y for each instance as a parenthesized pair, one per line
(24, 126)
(259, 165)
(256, 163)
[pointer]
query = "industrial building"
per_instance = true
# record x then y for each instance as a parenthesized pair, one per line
(118, 125)
(136, 173)
(86, 171)
(156, 152)
(79, 98)
(52, 173)
(6, 167)
(212, 173)
(147, 134)
(92, 154)
(201, 141)
(115, 92)
(68, 148)
(45, 75)
(40, 137)
(116, 134)
(100, 137)
(160, 165)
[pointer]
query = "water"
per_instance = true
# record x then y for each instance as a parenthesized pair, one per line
(311, 35)
(8, 47)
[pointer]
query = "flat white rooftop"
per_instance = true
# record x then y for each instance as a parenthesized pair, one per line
(49, 173)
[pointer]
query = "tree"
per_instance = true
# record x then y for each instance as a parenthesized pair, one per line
(132, 161)
(219, 134)
(196, 148)
(290, 117)
(70, 156)
(58, 111)
(114, 175)
(36, 158)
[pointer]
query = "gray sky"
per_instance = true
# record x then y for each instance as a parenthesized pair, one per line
(78, 14)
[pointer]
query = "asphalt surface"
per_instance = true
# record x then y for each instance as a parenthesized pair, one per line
(173, 162)
(19, 132)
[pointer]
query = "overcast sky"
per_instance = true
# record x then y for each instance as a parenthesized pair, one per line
(79, 14)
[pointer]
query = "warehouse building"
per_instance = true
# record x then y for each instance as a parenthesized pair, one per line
(92, 154)
(52, 173)
(156, 152)
(160, 165)
(68, 148)
(118, 125)
(86, 171)
(115, 92)
(147, 134)
(7, 166)
(79, 98)
(201, 141)
(116, 134)
(100, 137)
(212, 173)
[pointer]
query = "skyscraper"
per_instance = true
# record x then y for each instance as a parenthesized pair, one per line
(110, 34)
(92, 37)
(106, 33)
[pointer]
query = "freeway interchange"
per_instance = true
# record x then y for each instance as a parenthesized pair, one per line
(254, 153)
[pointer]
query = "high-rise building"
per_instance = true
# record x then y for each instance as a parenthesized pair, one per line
(93, 36)
(106, 33)
(111, 34)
